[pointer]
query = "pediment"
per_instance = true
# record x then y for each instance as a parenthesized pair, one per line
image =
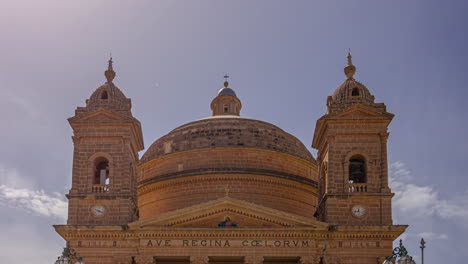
(233, 212)
(100, 115)
(358, 111)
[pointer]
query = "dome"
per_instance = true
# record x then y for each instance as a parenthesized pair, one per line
(109, 95)
(227, 131)
(351, 91)
(226, 91)
(254, 161)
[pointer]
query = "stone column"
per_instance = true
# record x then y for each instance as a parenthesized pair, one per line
(253, 260)
(309, 260)
(199, 260)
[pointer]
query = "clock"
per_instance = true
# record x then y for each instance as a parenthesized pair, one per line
(359, 211)
(98, 210)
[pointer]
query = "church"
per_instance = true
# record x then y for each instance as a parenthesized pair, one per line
(230, 189)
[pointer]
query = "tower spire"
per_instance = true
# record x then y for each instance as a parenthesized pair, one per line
(350, 69)
(110, 74)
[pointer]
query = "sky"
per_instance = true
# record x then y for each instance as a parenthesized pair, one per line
(283, 57)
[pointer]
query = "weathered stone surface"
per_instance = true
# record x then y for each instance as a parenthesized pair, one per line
(228, 189)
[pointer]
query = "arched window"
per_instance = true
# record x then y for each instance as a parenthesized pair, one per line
(225, 108)
(104, 95)
(357, 170)
(101, 171)
(355, 92)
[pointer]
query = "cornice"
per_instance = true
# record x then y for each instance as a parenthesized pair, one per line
(220, 174)
(388, 232)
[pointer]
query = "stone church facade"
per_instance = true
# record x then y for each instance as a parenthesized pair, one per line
(229, 189)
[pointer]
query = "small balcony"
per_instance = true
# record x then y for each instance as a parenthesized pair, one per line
(357, 187)
(101, 188)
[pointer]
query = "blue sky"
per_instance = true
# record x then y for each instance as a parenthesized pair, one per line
(284, 59)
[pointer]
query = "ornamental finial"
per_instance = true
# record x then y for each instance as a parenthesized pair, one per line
(226, 83)
(110, 74)
(350, 69)
(350, 58)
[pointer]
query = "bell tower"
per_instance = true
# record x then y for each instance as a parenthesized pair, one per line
(107, 139)
(351, 139)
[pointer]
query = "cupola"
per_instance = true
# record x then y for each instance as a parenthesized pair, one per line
(226, 101)
(109, 96)
(350, 91)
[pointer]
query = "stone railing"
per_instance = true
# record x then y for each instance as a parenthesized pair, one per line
(100, 188)
(357, 187)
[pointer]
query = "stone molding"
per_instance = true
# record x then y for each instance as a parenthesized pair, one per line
(69, 232)
(232, 205)
(146, 187)
(253, 260)
(199, 260)
(144, 259)
(309, 260)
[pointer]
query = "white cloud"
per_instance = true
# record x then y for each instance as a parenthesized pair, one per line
(26, 198)
(423, 201)
(432, 236)
(37, 201)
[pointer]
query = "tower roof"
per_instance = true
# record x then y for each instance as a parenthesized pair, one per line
(350, 91)
(109, 96)
(226, 91)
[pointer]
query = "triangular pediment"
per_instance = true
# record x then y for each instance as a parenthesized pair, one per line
(358, 111)
(100, 115)
(228, 212)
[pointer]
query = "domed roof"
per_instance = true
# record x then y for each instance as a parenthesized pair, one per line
(227, 131)
(226, 91)
(352, 91)
(109, 96)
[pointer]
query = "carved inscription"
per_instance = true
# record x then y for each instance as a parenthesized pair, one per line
(217, 243)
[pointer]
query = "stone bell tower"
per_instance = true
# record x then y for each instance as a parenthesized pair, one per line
(351, 139)
(107, 139)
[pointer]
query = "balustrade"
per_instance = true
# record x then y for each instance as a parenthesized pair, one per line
(100, 188)
(357, 187)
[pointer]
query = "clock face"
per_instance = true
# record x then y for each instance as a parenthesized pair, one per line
(98, 210)
(359, 211)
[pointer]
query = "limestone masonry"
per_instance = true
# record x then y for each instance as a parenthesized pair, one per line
(229, 189)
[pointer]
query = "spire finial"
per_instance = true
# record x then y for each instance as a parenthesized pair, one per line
(226, 83)
(350, 58)
(350, 69)
(110, 74)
